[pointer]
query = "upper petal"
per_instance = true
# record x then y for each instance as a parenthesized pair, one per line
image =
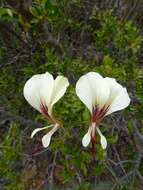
(93, 90)
(120, 102)
(100, 88)
(84, 92)
(119, 98)
(31, 91)
(60, 86)
(46, 88)
(114, 87)
(38, 89)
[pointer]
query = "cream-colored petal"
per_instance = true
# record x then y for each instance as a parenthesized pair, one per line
(103, 140)
(38, 90)
(46, 139)
(87, 138)
(46, 88)
(31, 91)
(115, 89)
(93, 90)
(39, 129)
(121, 101)
(60, 86)
(43, 89)
(99, 87)
(84, 91)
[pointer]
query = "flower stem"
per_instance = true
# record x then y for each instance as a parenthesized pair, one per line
(93, 141)
(93, 149)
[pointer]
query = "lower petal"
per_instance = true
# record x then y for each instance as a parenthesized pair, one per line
(87, 138)
(46, 139)
(103, 140)
(39, 129)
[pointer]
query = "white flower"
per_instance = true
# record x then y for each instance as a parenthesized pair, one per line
(42, 92)
(102, 96)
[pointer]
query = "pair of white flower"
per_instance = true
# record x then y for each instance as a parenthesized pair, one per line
(102, 96)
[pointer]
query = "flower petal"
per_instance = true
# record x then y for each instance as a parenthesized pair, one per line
(31, 91)
(103, 140)
(46, 89)
(115, 88)
(46, 139)
(119, 98)
(38, 89)
(87, 138)
(60, 85)
(93, 90)
(99, 87)
(39, 129)
(84, 92)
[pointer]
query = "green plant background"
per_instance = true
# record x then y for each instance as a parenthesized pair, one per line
(70, 38)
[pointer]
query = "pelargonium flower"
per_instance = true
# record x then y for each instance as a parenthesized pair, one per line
(42, 92)
(102, 96)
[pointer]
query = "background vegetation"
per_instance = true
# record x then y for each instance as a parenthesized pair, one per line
(70, 38)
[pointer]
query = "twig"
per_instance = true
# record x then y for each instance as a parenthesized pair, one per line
(51, 40)
(7, 28)
(124, 178)
(113, 174)
(131, 10)
(52, 171)
(118, 157)
(8, 116)
(121, 162)
(137, 135)
(36, 154)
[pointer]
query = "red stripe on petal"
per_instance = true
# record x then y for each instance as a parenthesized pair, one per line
(99, 113)
(44, 109)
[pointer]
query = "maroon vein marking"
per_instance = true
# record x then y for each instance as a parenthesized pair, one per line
(99, 113)
(44, 109)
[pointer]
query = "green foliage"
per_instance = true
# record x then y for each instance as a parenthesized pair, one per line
(45, 9)
(6, 14)
(11, 149)
(53, 39)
